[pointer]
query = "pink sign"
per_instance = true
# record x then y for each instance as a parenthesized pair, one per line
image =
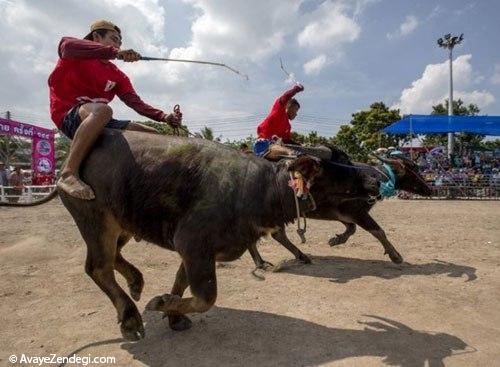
(43, 161)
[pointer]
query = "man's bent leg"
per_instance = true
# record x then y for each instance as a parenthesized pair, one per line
(94, 117)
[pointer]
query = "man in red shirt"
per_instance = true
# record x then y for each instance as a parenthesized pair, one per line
(277, 123)
(82, 84)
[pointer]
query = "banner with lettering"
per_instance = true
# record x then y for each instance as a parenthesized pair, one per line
(43, 162)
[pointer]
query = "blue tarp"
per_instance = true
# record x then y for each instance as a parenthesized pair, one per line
(439, 124)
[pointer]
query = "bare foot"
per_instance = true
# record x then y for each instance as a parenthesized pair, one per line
(75, 187)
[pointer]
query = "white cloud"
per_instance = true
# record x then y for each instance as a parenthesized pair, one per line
(408, 26)
(361, 5)
(247, 35)
(432, 88)
(465, 10)
(314, 66)
(480, 98)
(495, 79)
(438, 10)
(243, 29)
(331, 27)
(31, 54)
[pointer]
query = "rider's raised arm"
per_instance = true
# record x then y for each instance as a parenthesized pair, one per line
(74, 48)
(290, 93)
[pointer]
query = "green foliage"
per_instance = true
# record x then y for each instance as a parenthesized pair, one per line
(208, 134)
(363, 134)
(62, 149)
(165, 129)
(14, 150)
(248, 141)
(491, 145)
(310, 139)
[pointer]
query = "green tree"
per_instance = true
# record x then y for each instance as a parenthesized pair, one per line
(207, 133)
(248, 141)
(62, 144)
(166, 129)
(310, 139)
(463, 140)
(491, 145)
(364, 135)
(14, 150)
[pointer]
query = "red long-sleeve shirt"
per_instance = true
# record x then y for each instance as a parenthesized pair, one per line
(81, 76)
(277, 123)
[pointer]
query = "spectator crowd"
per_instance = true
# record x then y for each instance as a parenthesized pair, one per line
(12, 181)
(472, 174)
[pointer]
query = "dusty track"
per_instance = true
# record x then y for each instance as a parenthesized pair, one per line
(350, 307)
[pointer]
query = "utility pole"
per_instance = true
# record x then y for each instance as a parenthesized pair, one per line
(5, 154)
(449, 42)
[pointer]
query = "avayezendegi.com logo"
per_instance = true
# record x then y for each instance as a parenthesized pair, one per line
(55, 359)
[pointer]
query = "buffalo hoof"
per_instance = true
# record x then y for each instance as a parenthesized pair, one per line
(161, 303)
(265, 266)
(337, 240)
(304, 258)
(396, 257)
(179, 322)
(132, 328)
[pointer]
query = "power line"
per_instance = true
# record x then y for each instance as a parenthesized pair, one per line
(235, 126)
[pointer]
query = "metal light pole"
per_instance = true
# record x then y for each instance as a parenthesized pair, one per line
(449, 42)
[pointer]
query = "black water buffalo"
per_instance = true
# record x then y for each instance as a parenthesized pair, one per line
(204, 200)
(352, 211)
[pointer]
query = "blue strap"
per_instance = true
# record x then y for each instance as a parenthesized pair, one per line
(388, 188)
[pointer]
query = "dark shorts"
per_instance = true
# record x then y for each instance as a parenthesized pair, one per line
(72, 120)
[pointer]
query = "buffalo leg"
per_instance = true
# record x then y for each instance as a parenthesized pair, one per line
(368, 223)
(135, 280)
(200, 275)
(282, 238)
(339, 239)
(260, 263)
(175, 321)
(101, 253)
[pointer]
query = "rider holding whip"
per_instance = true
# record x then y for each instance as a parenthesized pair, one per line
(276, 125)
(82, 84)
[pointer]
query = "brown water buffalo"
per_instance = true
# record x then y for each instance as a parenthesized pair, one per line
(354, 210)
(206, 201)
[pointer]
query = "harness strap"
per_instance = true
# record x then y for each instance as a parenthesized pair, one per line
(302, 231)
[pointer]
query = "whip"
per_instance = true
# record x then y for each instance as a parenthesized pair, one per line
(291, 77)
(147, 58)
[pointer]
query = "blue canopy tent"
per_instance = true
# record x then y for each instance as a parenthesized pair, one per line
(441, 124)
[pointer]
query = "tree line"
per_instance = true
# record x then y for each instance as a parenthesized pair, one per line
(361, 135)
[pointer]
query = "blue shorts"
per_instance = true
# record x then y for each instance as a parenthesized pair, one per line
(72, 120)
(261, 147)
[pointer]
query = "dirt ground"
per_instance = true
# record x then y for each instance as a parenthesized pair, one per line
(351, 307)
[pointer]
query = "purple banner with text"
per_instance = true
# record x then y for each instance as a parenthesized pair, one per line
(42, 142)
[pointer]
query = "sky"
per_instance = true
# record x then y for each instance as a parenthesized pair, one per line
(348, 54)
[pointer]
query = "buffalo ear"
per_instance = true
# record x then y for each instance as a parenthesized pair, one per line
(308, 166)
(399, 168)
(396, 165)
